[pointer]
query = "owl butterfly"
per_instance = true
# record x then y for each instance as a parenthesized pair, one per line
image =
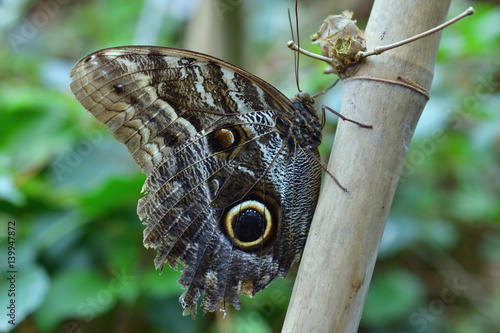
(232, 165)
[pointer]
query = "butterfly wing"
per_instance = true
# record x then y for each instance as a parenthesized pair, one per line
(230, 193)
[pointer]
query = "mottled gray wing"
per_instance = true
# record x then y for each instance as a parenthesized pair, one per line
(229, 196)
(153, 98)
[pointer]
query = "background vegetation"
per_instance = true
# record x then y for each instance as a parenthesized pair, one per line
(73, 190)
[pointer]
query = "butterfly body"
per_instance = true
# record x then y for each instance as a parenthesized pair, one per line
(231, 164)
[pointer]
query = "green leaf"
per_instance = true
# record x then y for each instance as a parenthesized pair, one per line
(75, 295)
(391, 297)
(114, 193)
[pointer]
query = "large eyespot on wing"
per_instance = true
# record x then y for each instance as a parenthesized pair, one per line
(260, 234)
(276, 210)
(210, 173)
(242, 251)
(188, 195)
(155, 99)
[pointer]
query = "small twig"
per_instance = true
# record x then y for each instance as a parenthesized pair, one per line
(292, 46)
(380, 49)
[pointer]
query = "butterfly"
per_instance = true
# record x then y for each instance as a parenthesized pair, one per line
(232, 164)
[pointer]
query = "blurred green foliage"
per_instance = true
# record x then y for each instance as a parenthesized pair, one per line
(73, 190)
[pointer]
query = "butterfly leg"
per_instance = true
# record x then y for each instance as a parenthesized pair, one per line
(323, 165)
(324, 107)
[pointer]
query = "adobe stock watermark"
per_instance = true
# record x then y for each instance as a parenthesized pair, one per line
(485, 87)
(94, 304)
(74, 157)
(30, 26)
(222, 7)
(420, 319)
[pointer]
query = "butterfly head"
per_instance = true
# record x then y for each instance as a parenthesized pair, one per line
(304, 102)
(305, 98)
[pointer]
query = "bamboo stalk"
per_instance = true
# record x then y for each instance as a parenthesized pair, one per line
(388, 92)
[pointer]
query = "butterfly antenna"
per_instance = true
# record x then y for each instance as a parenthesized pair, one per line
(294, 54)
(298, 43)
(291, 26)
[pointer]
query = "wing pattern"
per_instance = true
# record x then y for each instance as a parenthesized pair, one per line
(231, 181)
